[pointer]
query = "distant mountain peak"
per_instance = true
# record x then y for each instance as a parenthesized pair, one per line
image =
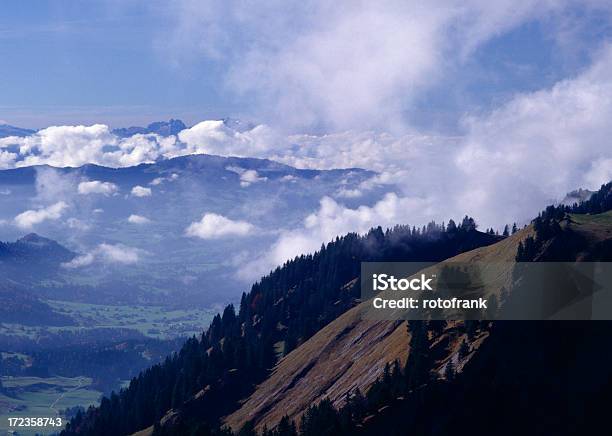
(162, 128)
(34, 238)
(8, 130)
(577, 196)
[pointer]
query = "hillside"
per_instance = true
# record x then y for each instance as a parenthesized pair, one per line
(23, 263)
(348, 354)
(206, 379)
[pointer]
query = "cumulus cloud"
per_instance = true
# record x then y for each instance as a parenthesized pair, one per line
(30, 218)
(97, 187)
(107, 253)
(141, 191)
(213, 226)
(138, 219)
(247, 177)
(214, 137)
(63, 146)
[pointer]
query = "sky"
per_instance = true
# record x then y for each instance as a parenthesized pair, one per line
(492, 109)
(304, 66)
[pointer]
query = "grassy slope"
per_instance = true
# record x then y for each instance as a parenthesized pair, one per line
(348, 353)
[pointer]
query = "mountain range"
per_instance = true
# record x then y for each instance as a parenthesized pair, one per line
(130, 225)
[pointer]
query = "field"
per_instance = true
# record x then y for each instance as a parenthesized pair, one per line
(152, 321)
(43, 397)
(602, 218)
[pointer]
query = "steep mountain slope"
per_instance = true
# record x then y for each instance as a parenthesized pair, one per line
(351, 353)
(348, 354)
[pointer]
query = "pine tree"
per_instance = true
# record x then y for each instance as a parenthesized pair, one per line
(419, 358)
(449, 371)
(506, 231)
(286, 427)
(464, 349)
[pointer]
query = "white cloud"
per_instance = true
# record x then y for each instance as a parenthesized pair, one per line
(289, 178)
(141, 191)
(64, 146)
(348, 193)
(333, 219)
(247, 177)
(97, 187)
(80, 261)
(159, 180)
(5, 191)
(77, 224)
(53, 186)
(214, 137)
(107, 253)
(30, 218)
(213, 226)
(138, 219)
(7, 159)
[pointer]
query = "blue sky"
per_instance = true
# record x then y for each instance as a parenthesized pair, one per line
(72, 61)
(131, 62)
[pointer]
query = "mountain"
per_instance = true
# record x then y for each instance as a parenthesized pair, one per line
(162, 128)
(342, 374)
(349, 355)
(577, 197)
(33, 248)
(6, 130)
(207, 377)
(143, 212)
(22, 263)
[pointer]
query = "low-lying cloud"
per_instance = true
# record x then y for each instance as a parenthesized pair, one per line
(333, 219)
(30, 218)
(97, 187)
(141, 191)
(107, 253)
(214, 226)
(138, 219)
